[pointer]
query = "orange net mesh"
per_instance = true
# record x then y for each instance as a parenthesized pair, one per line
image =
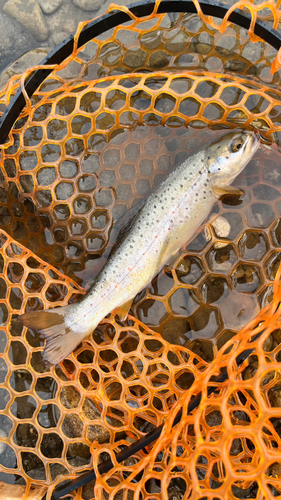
(103, 129)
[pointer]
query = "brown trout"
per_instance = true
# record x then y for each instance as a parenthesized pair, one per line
(168, 219)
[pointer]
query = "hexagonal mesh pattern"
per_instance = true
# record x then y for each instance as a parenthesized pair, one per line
(103, 130)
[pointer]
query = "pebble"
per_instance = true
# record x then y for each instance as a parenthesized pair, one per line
(3, 445)
(177, 43)
(66, 19)
(98, 433)
(29, 15)
(49, 6)
(275, 396)
(88, 4)
(14, 40)
(29, 59)
(222, 229)
(176, 331)
(58, 38)
(70, 397)
(238, 310)
(202, 48)
(135, 57)
(106, 4)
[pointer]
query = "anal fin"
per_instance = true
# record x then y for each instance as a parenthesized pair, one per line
(220, 191)
(123, 310)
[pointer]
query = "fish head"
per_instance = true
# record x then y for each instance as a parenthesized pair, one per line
(229, 154)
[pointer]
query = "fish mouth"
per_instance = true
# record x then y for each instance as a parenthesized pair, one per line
(252, 142)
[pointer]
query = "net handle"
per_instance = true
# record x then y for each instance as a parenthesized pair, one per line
(114, 18)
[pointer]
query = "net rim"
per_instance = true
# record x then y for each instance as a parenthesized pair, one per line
(113, 19)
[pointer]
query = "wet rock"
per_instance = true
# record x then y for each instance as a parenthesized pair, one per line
(238, 309)
(72, 426)
(177, 43)
(176, 331)
(14, 40)
(214, 418)
(159, 59)
(98, 433)
(88, 4)
(251, 370)
(235, 65)
(105, 6)
(252, 51)
(90, 410)
(274, 470)
(151, 40)
(57, 38)
(29, 59)
(135, 57)
(57, 470)
(29, 15)
(226, 45)
(236, 447)
(203, 48)
(70, 397)
(3, 445)
(66, 18)
(203, 349)
(49, 6)
(221, 226)
(143, 425)
(151, 486)
(268, 343)
(274, 396)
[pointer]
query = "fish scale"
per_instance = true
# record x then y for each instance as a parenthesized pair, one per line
(164, 223)
(169, 218)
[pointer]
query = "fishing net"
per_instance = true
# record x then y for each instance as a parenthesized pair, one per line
(103, 129)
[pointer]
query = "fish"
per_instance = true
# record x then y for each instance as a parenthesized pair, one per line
(169, 218)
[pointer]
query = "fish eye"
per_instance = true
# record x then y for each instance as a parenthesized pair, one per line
(236, 145)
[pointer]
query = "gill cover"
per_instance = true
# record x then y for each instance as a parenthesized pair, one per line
(227, 156)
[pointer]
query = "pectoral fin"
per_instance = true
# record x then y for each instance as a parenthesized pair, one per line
(170, 262)
(123, 310)
(220, 191)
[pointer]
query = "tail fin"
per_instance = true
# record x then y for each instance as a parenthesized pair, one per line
(61, 340)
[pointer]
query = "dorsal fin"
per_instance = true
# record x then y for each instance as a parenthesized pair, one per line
(123, 225)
